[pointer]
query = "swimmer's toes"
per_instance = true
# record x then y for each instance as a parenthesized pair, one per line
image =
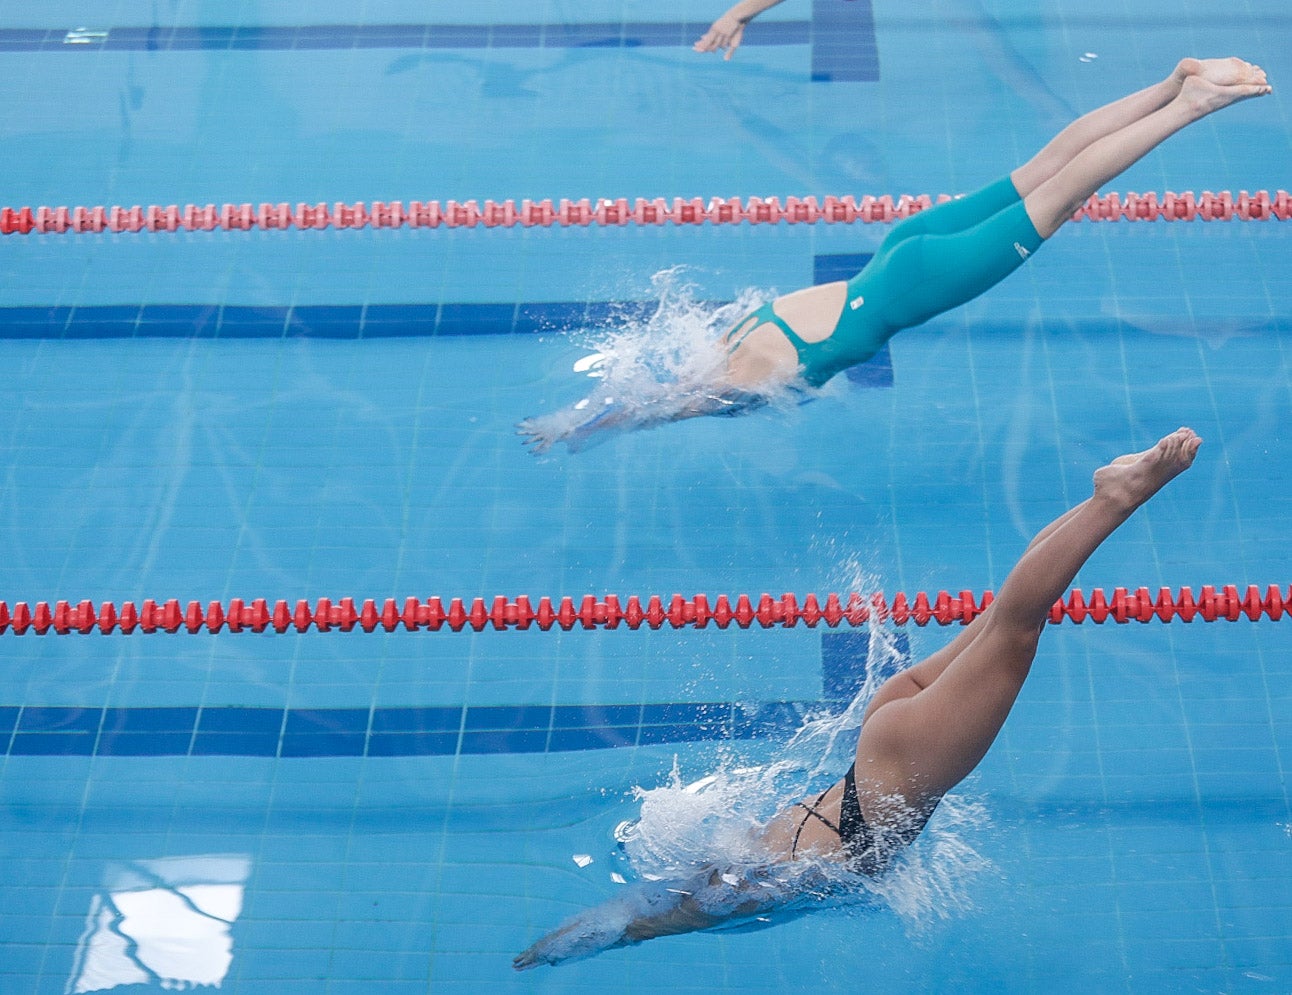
(1232, 71)
(1175, 453)
(1132, 479)
(1207, 96)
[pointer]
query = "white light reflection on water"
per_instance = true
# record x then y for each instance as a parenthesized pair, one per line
(164, 922)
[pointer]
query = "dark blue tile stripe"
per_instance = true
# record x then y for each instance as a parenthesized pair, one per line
(340, 322)
(844, 661)
(844, 48)
(350, 321)
(630, 34)
(422, 731)
(381, 732)
(838, 266)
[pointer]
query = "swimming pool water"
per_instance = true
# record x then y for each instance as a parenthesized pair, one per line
(306, 414)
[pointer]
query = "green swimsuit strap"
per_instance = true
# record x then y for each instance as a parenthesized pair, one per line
(766, 315)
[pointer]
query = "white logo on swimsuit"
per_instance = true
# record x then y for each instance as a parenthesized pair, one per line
(1022, 252)
(856, 302)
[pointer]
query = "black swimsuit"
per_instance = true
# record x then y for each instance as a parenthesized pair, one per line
(855, 836)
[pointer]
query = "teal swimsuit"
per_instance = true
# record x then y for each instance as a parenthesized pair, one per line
(933, 261)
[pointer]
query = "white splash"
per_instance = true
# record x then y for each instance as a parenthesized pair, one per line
(683, 827)
(714, 821)
(655, 369)
(929, 883)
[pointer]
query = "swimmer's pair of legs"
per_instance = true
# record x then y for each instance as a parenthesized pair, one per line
(954, 264)
(1100, 145)
(975, 242)
(929, 726)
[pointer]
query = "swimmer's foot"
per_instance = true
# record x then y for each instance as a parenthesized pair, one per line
(1129, 481)
(1222, 72)
(1212, 84)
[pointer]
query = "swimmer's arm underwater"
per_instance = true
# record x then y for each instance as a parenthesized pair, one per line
(595, 419)
(650, 910)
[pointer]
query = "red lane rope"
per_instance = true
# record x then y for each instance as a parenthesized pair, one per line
(1207, 206)
(345, 615)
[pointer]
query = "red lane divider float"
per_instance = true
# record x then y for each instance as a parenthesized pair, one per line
(1207, 206)
(346, 615)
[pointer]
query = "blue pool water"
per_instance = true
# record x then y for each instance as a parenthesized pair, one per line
(321, 414)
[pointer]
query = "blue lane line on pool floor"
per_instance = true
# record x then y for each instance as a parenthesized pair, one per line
(373, 321)
(347, 321)
(844, 47)
(384, 732)
(609, 34)
(426, 731)
(841, 34)
(356, 321)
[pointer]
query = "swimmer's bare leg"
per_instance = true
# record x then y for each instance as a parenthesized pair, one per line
(917, 677)
(1119, 114)
(1090, 127)
(1055, 200)
(923, 744)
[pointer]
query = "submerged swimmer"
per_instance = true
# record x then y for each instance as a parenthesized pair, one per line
(922, 733)
(933, 261)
